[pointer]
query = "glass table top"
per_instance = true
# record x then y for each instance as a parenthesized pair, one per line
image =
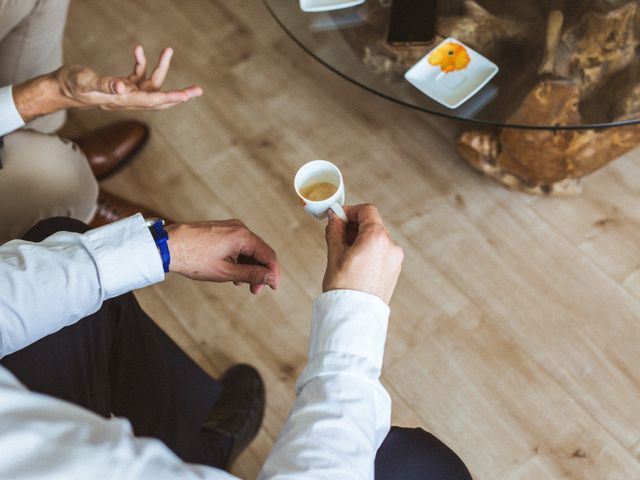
(588, 78)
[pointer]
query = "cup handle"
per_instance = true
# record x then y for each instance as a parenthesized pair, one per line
(339, 211)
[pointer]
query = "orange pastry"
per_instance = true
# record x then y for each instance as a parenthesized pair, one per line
(450, 56)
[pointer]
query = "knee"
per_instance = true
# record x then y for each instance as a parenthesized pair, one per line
(409, 453)
(52, 173)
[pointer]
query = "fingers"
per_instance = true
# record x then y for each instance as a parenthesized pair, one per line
(140, 67)
(161, 70)
(263, 255)
(336, 234)
(192, 91)
(132, 93)
(155, 100)
(363, 219)
(114, 85)
(369, 229)
(255, 275)
(164, 106)
(179, 96)
(255, 289)
(352, 212)
(259, 250)
(364, 213)
(135, 100)
(352, 233)
(123, 86)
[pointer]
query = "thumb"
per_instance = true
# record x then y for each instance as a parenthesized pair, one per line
(336, 234)
(253, 274)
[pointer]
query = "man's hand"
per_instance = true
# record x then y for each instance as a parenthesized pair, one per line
(362, 256)
(224, 251)
(80, 87)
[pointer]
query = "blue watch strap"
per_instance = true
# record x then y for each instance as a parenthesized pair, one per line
(161, 236)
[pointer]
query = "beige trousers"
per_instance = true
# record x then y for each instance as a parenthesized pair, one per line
(42, 175)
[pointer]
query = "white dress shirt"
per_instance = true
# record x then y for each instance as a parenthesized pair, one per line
(10, 119)
(339, 419)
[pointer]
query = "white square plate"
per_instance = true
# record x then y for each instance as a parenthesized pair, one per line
(453, 88)
(326, 5)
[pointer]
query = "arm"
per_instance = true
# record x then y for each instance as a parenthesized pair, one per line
(80, 87)
(342, 412)
(53, 283)
(46, 438)
(48, 285)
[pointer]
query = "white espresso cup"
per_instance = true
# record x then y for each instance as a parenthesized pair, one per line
(318, 171)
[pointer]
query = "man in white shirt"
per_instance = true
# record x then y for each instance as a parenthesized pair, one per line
(66, 320)
(43, 175)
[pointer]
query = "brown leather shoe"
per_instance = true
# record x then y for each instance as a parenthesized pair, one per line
(110, 148)
(112, 208)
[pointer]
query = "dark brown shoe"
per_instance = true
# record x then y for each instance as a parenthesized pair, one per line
(239, 411)
(110, 148)
(112, 208)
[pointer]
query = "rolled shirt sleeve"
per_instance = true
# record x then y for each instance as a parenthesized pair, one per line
(54, 283)
(10, 118)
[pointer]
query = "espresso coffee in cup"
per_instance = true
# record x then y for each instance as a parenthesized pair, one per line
(319, 191)
(320, 187)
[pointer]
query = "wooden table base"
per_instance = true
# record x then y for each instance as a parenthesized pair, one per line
(545, 162)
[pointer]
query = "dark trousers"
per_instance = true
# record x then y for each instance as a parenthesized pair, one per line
(118, 361)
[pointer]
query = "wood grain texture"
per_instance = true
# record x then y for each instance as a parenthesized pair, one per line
(592, 53)
(513, 334)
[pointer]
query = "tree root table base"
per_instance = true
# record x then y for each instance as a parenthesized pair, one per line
(545, 162)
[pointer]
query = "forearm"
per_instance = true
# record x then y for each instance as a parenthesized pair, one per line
(43, 437)
(48, 285)
(40, 96)
(342, 412)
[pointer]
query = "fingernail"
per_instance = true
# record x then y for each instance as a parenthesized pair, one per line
(268, 278)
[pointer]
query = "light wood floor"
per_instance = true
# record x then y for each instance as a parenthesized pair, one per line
(514, 329)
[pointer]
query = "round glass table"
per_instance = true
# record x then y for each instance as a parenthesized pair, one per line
(601, 55)
(568, 71)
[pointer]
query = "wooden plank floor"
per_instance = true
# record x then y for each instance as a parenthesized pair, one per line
(514, 330)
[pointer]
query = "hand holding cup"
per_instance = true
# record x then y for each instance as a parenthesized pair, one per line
(362, 255)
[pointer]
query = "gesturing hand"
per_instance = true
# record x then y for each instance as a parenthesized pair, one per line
(362, 256)
(84, 88)
(223, 251)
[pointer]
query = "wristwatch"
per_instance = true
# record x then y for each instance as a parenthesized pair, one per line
(160, 236)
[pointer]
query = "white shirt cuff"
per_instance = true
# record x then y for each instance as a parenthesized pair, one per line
(126, 255)
(10, 118)
(349, 322)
